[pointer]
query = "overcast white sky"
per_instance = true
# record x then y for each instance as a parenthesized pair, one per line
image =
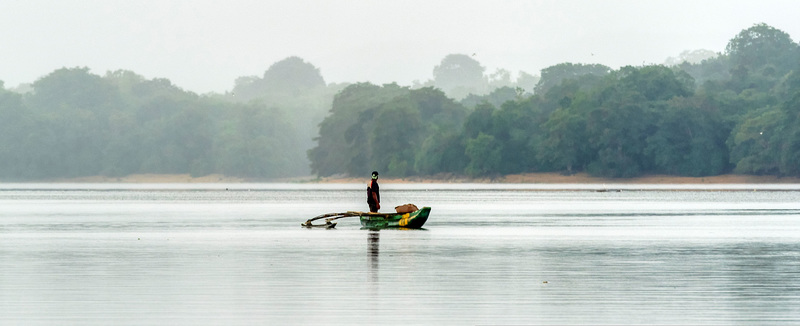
(203, 46)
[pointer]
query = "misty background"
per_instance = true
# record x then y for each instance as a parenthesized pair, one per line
(598, 87)
(203, 46)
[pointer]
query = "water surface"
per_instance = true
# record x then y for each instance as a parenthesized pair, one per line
(490, 254)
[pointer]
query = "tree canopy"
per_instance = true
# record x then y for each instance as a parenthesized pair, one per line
(385, 128)
(762, 45)
(733, 112)
(737, 111)
(75, 123)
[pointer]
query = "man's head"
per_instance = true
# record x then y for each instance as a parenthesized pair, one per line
(374, 175)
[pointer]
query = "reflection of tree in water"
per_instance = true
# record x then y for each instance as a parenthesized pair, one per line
(373, 250)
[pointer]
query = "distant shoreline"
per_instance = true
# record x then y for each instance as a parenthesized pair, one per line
(526, 178)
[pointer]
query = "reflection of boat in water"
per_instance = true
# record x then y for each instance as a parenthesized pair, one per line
(373, 247)
(412, 220)
(373, 251)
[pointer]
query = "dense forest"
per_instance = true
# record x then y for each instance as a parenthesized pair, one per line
(701, 114)
(735, 112)
(74, 123)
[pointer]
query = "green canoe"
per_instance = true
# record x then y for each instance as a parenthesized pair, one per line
(413, 220)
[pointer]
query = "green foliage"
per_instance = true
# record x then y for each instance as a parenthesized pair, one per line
(243, 148)
(514, 130)
(394, 133)
(565, 146)
(714, 69)
(516, 127)
(656, 83)
(480, 120)
(384, 128)
(767, 141)
(755, 143)
(554, 75)
(76, 124)
(762, 45)
(618, 134)
(703, 118)
(689, 139)
(738, 111)
(624, 125)
(496, 98)
(16, 119)
(343, 133)
(442, 152)
(297, 89)
(563, 94)
(484, 154)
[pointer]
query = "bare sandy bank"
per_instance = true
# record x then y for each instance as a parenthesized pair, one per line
(545, 178)
(526, 178)
(153, 178)
(580, 178)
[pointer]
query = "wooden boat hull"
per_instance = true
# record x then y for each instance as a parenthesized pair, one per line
(413, 220)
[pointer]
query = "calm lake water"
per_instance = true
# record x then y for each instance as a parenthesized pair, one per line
(109, 254)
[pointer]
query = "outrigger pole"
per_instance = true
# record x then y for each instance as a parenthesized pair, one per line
(328, 218)
(335, 216)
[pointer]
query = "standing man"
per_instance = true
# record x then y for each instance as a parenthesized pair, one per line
(373, 193)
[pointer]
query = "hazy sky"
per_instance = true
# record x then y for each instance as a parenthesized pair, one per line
(203, 46)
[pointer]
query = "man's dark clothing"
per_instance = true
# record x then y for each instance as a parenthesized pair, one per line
(373, 187)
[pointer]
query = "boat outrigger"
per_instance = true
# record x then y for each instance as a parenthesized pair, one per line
(411, 220)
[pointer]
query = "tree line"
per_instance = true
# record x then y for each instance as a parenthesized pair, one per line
(74, 123)
(734, 111)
